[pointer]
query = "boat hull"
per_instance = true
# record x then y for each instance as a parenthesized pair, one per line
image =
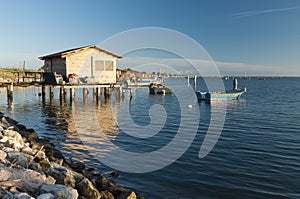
(228, 95)
(160, 91)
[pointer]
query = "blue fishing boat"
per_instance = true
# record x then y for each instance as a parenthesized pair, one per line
(233, 94)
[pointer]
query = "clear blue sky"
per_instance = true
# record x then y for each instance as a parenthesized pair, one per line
(250, 32)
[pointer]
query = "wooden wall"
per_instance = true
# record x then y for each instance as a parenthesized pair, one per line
(55, 64)
(83, 63)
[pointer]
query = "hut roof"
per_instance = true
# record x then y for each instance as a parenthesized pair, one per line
(65, 52)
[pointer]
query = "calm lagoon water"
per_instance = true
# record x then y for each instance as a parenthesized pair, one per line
(256, 156)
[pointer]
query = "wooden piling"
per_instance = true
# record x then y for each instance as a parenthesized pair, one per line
(43, 91)
(72, 94)
(85, 95)
(85, 91)
(10, 90)
(61, 89)
(121, 91)
(106, 92)
(51, 91)
(62, 95)
(97, 93)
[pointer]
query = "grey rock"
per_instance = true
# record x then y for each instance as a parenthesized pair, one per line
(13, 134)
(64, 176)
(50, 180)
(29, 158)
(46, 196)
(20, 127)
(60, 191)
(36, 167)
(45, 165)
(22, 196)
(1, 129)
(24, 179)
(2, 155)
(14, 190)
(4, 139)
(119, 191)
(16, 145)
(106, 195)
(7, 149)
(17, 158)
(27, 150)
(59, 162)
(4, 122)
(40, 154)
(103, 183)
(127, 195)
(86, 189)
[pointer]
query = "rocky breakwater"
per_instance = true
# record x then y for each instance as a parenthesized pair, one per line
(32, 168)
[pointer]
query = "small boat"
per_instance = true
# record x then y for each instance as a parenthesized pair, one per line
(233, 94)
(141, 82)
(159, 89)
(230, 94)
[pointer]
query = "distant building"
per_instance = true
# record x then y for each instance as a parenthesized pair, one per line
(90, 64)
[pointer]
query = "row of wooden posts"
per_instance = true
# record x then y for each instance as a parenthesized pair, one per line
(63, 90)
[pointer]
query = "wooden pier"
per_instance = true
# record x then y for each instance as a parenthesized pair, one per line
(98, 91)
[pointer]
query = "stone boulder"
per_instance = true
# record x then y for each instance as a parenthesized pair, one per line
(64, 176)
(46, 196)
(87, 189)
(13, 135)
(103, 183)
(22, 196)
(17, 158)
(24, 179)
(122, 193)
(60, 191)
(126, 195)
(28, 150)
(2, 155)
(45, 165)
(106, 195)
(16, 145)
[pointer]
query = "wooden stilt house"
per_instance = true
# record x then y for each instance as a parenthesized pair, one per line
(83, 65)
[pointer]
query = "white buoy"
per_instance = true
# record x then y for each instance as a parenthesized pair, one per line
(190, 106)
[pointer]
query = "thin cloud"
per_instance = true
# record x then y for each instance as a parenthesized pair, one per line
(259, 12)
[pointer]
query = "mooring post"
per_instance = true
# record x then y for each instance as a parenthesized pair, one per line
(85, 91)
(61, 89)
(106, 91)
(195, 82)
(10, 90)
(72, 94)
(131, 95)
(98, 92)
(188, 80)
(121, 91)
(43, 91)
(85, 95)
(94, 91)
(51, 91)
